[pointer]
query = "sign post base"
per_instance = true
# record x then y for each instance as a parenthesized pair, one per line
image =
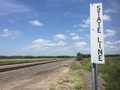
(94, 76)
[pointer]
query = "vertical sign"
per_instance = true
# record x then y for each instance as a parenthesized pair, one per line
(96, 31)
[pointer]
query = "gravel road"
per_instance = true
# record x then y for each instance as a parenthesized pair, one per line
(19, 79)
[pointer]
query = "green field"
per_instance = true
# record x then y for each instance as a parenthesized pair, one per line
(110, 71)
(17, 61)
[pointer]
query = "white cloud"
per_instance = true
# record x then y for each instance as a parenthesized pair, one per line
(11, 6)
(67, 48)
(60, 36)
(80, 45)
(81, 30)
(10, 34)
(48, 43)
(61, 43)
(117, 42)
(85, 23)
(41, 42)
(42, 45)
(112, 47)
(87, 36)
(36, 23)
(75, 26)
(106, 18)
(34, 47)
(110, 11)
(110, 33)
(112, 43)
(108, 42)
(74, 36)
(115, 4)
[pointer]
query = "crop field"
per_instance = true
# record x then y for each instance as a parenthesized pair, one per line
(17, 61)
(110, 71)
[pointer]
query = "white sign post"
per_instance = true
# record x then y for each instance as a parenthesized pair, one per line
(96, 30)
(97, 41)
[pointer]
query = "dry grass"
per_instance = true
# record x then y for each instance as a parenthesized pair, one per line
(16, 61)
(70, 81)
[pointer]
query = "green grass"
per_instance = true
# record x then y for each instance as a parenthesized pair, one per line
(4, 62)
(110, 71)
(74, 66)
(79, 83)
(70, 79)
(17, 61)
(85, 64)
(73, 78)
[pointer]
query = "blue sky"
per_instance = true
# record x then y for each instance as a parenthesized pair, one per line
(55, 27)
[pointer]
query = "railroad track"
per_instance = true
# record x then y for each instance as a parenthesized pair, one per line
(5, 69)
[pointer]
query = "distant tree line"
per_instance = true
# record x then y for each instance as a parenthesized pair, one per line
(29, 57)
(107, 55)
(79, 55)
(112, 55)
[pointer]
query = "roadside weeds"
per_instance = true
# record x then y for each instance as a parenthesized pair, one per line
(77, 78)
(72, 80)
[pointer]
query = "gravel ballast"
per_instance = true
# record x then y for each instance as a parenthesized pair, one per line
(7, 77)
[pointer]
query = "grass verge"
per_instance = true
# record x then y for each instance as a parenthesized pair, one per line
(72, 80)
(110, 71)
(74, 66)
(18, 61)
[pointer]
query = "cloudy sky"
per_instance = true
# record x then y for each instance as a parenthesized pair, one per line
(55, 27)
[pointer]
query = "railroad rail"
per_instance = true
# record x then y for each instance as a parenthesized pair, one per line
(5, 69)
